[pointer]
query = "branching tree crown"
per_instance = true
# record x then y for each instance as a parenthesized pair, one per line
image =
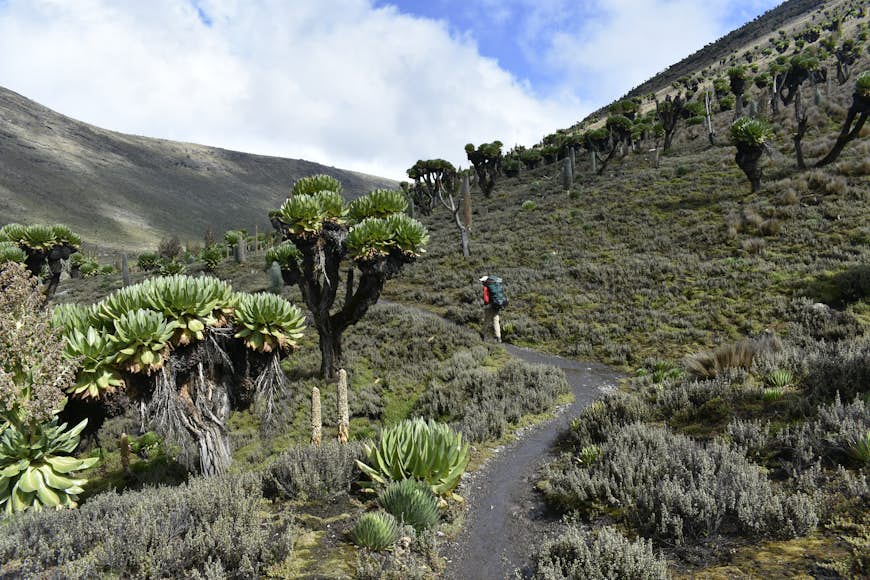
(372, 232)
(486, 160)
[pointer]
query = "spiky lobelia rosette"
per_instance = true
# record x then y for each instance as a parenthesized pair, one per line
(95, 353)
(141, 340)
(268, 323)
(284, 253)
(375, 530)
(10, 252)
(380, 203)
(411, 503)
(35, 473)
(428, 451)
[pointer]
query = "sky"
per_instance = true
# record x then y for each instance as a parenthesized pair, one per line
(366, 85)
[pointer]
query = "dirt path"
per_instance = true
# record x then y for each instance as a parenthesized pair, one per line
(505, 515)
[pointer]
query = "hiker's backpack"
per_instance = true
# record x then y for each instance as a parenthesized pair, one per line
(497, 295)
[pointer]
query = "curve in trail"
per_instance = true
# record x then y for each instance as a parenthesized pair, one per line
(506, 516)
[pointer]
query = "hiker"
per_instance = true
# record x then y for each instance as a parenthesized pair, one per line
(494, 299)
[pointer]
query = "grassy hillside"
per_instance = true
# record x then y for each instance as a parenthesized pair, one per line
(125, 191)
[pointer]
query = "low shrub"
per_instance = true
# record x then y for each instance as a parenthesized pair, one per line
(482, 404)
(602, 418)
(599, 555)
(210, 526)
(671, 486)
(317, 472)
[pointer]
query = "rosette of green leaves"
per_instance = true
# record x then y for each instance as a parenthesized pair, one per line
(375, 237)
(12, 233)
(120, 302)
(314, 183)
(192, 303)
(64, 235)
(141, 340)
(411, 502)
(284, 253)
(409, 235)
(234, 237)
(35, 472)
(332, 206)
(428, 451)
(302, 214)
(39, 237)
(10, 252)
(268, 322)
(375, 530)
(70, 317)
(95, 352)
(750, 131)
(379, 203)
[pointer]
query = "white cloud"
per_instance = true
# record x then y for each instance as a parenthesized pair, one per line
(332, 81)
(602, 48)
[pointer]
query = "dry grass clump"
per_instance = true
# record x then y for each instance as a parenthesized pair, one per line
(738, 355)
(824, 183)
(753, 246)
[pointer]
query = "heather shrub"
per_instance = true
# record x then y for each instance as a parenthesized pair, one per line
(316, 472)
(677, 489)
(206, 526)
(606, 416)
(832, 435)
(481, 403)
(598, 555)
(842, 367)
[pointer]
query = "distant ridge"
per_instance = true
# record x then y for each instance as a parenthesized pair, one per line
(125, 191)
(767, 23)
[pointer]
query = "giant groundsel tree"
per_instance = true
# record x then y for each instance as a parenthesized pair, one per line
(42, 245)
(372, 233)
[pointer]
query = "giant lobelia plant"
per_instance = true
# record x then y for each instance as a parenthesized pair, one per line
(36, 468)
(428, 451)
(372, 235)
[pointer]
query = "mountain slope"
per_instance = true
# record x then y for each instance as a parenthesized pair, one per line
(129, 191)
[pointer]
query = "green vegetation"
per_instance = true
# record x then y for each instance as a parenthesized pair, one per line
(427, 451)
(411, 503)
(371, 232)
(376, 531)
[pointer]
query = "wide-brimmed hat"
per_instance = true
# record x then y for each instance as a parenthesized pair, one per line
(484, 278)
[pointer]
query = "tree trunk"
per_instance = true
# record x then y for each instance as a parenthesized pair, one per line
(801, 118)
(747, 159)
(330, 352)
(848, 132)
(316, 417)
(711, 136)
(466, 252)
